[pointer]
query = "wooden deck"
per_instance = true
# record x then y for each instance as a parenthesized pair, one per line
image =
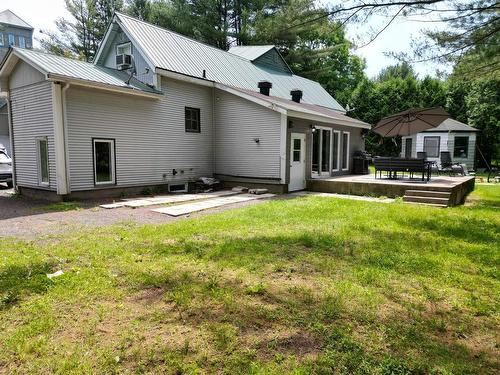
(457, 187)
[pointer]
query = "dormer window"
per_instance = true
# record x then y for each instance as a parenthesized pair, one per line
(124, 49)
(12, 39)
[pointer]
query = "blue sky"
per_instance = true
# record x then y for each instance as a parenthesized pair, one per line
(396, 37)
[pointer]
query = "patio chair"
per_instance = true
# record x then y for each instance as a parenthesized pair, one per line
(422, 155)
(447, 165)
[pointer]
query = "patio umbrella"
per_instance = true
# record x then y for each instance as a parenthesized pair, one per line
(411, 121)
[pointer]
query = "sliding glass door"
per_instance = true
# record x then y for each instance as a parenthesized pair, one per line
(322, 151)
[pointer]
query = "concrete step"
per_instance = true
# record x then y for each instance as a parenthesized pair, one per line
(428, 204)
(428, 193)
(428, 200)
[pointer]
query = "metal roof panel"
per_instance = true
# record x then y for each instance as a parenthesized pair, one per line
(62, 66)
(178, 53)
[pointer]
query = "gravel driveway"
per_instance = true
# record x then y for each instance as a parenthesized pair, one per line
(27, 218)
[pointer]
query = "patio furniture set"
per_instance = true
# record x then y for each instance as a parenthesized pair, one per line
(395, 165)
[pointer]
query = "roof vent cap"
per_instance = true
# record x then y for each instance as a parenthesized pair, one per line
(296, 95)
(265, 87)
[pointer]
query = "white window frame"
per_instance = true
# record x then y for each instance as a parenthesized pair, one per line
(22, 41)
(124, 45)
(111, 142)
(438, 137)
(339, 149)
(13, 37)
(184, 190)
(39, 161)
(347, 150)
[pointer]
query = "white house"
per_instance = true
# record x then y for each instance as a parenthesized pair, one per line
(159, 109)
(451, 135)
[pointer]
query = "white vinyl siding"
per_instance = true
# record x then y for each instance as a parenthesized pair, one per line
(239, 123)
(24, 75)
(149, 134)
(32, 118)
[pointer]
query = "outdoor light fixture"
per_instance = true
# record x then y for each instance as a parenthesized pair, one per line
(313, 128)
(256, 140)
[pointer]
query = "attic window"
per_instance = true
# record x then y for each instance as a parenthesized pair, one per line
(124, 49)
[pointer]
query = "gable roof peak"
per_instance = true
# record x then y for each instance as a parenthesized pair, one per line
(8, 17)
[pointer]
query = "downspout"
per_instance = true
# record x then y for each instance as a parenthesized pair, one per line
(60, 139)
(65, 129)
(214, 133)
(11, 133)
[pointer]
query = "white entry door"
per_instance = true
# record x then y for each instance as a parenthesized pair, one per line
(297, 162)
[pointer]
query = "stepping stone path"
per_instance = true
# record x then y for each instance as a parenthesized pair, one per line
(183, 209)
(143, 202)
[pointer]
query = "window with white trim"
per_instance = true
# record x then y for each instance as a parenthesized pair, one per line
(22, 42)
(431, 146)
(345, 151)
(461, 147)
(192, 117)
(42, 148)
(1, 40)
(124, 49)
(104, 161)
(12, 39)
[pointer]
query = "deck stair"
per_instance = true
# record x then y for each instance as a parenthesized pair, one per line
(437, 198)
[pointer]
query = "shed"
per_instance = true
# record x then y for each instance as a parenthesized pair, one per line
(451, 135)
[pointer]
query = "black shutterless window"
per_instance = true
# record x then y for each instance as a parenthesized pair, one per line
(192, 116)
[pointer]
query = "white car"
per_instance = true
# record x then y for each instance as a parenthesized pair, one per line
(5, 167)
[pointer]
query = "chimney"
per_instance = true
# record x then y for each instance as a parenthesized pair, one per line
(265, 87)
(296, 95)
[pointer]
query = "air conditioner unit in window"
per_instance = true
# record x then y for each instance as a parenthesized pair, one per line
(123, 61)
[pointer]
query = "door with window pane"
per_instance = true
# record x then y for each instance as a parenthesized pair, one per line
(297, 162)
(408, 146)
(335, 150)
(321, 151)
(345, 151)
(104, 161)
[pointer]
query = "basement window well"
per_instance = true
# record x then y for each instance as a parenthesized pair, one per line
(178, 188)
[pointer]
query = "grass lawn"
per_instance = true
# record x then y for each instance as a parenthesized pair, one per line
(309, 285)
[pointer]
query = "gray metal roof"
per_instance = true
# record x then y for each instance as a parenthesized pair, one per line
(62, 66)
(450, 125)
(9, 18)
(174, 52)
(334, 116)
(250, 52)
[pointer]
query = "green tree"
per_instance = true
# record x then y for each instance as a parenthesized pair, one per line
(81, 35)
(483, 112)
(432, 92)
(402, 70)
